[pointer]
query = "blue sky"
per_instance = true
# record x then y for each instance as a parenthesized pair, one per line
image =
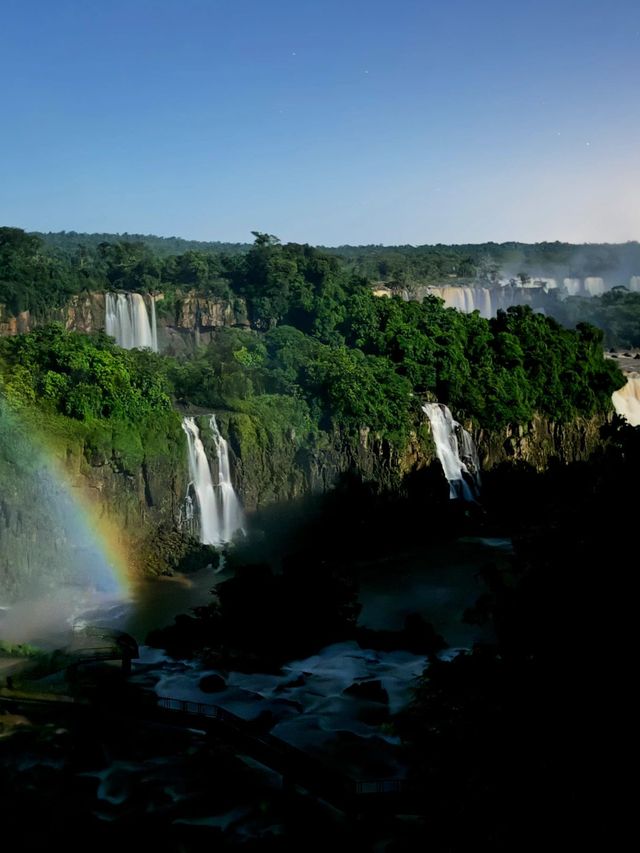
(323, 122)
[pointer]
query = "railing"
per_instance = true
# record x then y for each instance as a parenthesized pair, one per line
(201, 709)
(379, 786)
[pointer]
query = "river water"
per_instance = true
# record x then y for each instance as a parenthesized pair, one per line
(306, 701)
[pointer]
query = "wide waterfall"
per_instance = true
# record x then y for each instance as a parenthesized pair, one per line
(218, 508)
(128, 321)
(456, 451)
(487, 300)
(626, 401)
(537, 293)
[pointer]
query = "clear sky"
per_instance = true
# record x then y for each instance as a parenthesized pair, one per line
(350, 121)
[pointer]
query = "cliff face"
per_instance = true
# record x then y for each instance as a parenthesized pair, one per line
(62, 507)
(14, 325)
(140, 502)
(540, 441)
(285, 469)
(191, 320)
(83, 313)
(274, 471)
(183, 323)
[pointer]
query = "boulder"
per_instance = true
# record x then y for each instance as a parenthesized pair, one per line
(372, 690)
(212, 683)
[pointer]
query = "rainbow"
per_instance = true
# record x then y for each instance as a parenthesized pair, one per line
(104, 532)
(109, 552)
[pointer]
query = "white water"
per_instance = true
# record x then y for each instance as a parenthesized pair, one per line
(450, 438)
(219, 510)
(626, 401)
(127, 320)
(487, 300)
(594, 286)
(573, 286)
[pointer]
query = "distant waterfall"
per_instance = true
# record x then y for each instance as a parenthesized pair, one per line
(626, 401)
(487, 300)
(456, 451)
(127, 320)
(538, 293)
(594, 286)
(572, 286)
(218, 507)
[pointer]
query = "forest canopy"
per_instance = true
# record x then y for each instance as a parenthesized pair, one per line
(319, 339)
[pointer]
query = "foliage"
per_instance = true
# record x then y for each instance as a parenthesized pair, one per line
(617, 313)
(322, 346)
(114, 403)
(82, 377)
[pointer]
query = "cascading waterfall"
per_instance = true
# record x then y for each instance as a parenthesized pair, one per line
(469, 455)
(573, 286)
(456, 451)
(230, 511)
(626, 401)
(218, 507)
(594, 286)
(537, 293)
(127, 320)
(154, 325)
(487, 300)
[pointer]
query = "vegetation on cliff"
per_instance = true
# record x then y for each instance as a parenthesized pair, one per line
(617, 313)
(329, 355)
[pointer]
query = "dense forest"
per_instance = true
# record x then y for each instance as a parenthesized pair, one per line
(403, 265)
(617, 313)
(324, 356)
(321, 345)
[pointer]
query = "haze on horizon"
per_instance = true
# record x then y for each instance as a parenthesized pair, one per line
(333, 123)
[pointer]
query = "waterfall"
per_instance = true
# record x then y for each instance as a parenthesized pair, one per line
(626, 401)
(487, 300)
(218, 507)
(538, 293)
(594, 286)
(154, 325)
(469, 455)
(450, 438)
(230, 511)
(127, 320)
(573, 286)
(634, 284)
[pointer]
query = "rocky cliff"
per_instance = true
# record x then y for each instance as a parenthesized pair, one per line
(64, 500)
(271, 469)
(190, 320)
(540, 441)
(139, 500)
(184, 321)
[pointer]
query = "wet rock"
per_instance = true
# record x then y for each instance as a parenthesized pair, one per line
(372, 690)
(212, 683)
(299, 681)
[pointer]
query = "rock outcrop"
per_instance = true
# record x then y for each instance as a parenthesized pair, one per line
(184, 322)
